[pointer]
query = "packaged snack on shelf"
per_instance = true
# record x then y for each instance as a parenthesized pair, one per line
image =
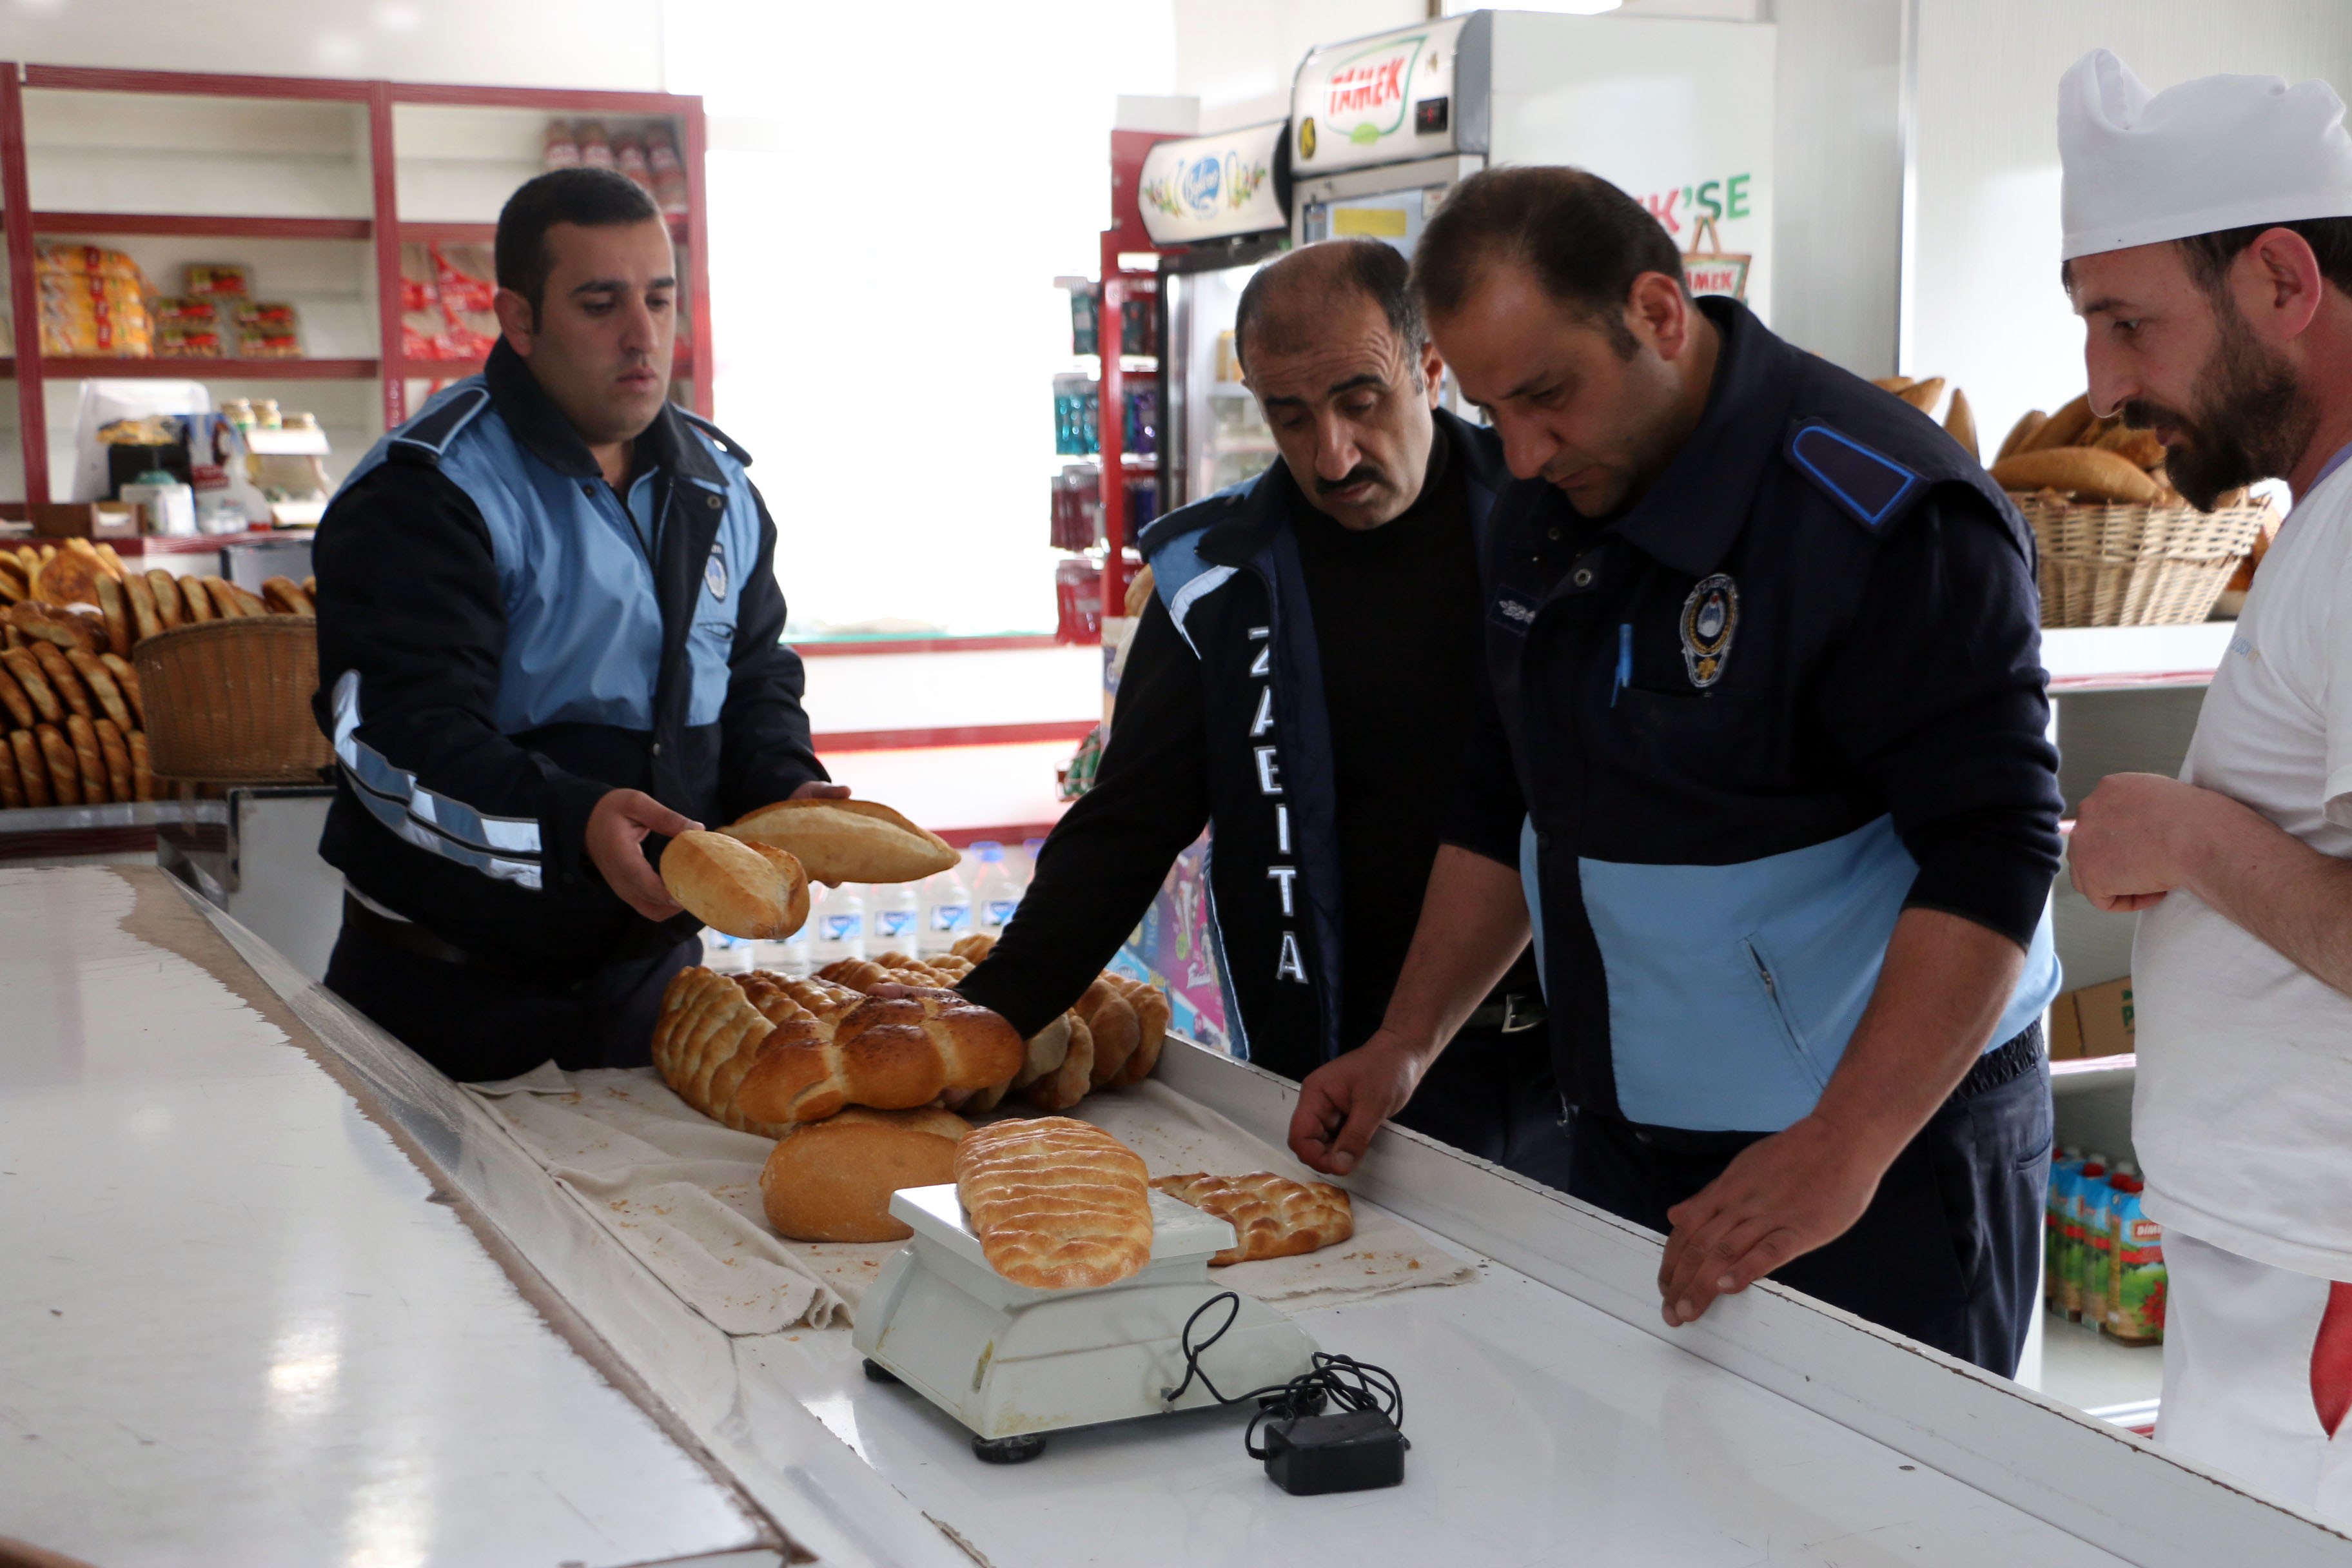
(266, 330)
(419, 284)
(1078, 600)
(595, 148)
(92, 300)
(561, 151)
(467, 276)
(60, 257)
(215, 279)
(629, 158)
(1077, 518)
(669, 174)
(187, 328)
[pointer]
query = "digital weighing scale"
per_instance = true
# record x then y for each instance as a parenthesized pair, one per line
(1013, 1362)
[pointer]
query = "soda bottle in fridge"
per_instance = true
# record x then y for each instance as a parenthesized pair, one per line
(895, 910)
(947, 912)
(996, 889)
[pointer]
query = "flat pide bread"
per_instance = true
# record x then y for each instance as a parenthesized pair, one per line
(847, 840)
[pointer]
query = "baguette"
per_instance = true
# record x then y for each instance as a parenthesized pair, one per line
(64, 774)
(847, 840)
(2078, 470)
(228, 598)
(116, 609)
(90, 761)
(35, 686)
(63, 679)
(1961, 423)
(12, 784)
(110, 561)
(2062, 429)
(902, 1047)
(831, 1179)
(100, 681)
(1272, 1217)
(126, 680)
(1895, 383)
(139, 596)
(1056, 1204)
(13, 698)
(31, 770)
(142, 777)
(198, 603)
(165, 589)
(116, 754)
(745, 890)
(285, 596)
(1923, 396)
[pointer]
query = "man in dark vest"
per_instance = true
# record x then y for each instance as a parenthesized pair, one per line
(1302, 684)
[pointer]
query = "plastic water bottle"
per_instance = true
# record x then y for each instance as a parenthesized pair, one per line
(724, 954)
(897, 910)
(947, 912)
(793, 957)
(840, 920)
(996, 889)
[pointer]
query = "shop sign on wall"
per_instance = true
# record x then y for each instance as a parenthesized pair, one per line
(1210, 187)
(1376, 100)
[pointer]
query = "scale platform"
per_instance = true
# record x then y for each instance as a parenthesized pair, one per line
(1013, 1362)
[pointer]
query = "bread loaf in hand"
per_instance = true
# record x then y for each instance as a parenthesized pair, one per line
(745, 890)
(902, 1047)
(831, 1179)
(847, 840)
(1272, 1217)
(1056, 1204)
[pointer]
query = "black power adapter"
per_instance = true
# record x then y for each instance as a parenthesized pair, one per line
(1359, 1447)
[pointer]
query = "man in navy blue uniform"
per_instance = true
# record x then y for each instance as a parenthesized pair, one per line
(548, 632)
(1766, 769)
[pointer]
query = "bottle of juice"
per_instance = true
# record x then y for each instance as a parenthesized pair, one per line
(2062, 1176)
(2093, 1175)
(2136, 1286)
(2099, 1245)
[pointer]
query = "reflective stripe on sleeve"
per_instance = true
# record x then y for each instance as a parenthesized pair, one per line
(450, 828)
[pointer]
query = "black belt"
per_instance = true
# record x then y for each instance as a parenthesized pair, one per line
(407, 936)
(1512, 1014)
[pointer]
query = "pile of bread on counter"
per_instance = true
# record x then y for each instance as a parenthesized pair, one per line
(70, 698)
(868, 1075)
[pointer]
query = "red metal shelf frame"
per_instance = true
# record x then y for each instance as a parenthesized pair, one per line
(384, 227)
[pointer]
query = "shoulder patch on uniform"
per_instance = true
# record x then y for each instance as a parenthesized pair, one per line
(426, 437)
(1869, 485)
(726, 443)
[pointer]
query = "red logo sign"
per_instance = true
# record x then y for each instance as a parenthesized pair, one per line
(1361, 88)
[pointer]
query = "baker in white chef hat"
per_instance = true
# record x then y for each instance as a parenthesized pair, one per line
(2208, 251)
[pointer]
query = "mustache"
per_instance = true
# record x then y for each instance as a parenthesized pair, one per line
(1361, 474)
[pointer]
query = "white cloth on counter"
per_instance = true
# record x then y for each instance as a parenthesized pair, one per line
(682, 1193)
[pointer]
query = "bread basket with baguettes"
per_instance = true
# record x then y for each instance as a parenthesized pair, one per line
(2113, 563)
(228, 701)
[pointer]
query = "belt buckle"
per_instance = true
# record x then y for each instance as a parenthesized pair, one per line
(1514, 1021)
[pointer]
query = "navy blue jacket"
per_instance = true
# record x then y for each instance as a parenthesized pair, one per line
(1228, 641)
(502, 641)
(1794, 690)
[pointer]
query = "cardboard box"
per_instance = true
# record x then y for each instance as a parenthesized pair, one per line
(2095, 1021)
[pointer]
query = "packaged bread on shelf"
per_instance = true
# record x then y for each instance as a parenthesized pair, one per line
(847, 840)
(1272, 1217)
(831, 1179)
(747, 891)
(1056, 1204)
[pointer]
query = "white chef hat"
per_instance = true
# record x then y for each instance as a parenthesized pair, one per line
(2219, 152)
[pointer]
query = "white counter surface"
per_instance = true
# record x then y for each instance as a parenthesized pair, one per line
(1552, 1419)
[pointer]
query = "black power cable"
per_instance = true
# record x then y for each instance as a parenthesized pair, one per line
(1306, 1450)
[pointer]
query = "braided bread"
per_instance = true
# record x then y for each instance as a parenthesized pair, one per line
(892, 1052)
(1272, 1217)
(1056, 1202)
(1151, 1019)
(1061, 1083)
(706, 1039)
(1111, 1021)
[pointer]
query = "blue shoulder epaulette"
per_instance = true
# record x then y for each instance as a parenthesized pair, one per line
(426, 437)
(726, 443)
(1868, 484)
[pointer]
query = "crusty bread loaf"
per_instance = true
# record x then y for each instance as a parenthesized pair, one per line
(1112, 1022)
(68, 577)
(12, 784)
(230, 600)
(139, 596)
(973, 949)
(2027, 427)
(91, 761)
(126, 681)
(62, 679)
(745, 890)
(1064, 1083)
(116, 609)
(847, 840)
(142, 777)
(2141, 448)
(32, 770)
(102, 688)
(1961, 423)
(62, 628)
(706, 1037)
(1056, 1202)
(117, 753)
(285, 596)
(1152, 1016)
(194, 600)
(831, 1179)
(170, 608)
(2084, 472)
(1272, 1217)
(1924, 396)
(19, 706)
(894, 1051)
(64, 774)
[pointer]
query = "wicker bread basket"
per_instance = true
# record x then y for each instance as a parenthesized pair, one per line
(228, 701)
(2108, 564)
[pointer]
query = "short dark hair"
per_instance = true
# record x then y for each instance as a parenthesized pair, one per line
(1585, 240)
(1371, 267)
(593, 198)
(2209, 255)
